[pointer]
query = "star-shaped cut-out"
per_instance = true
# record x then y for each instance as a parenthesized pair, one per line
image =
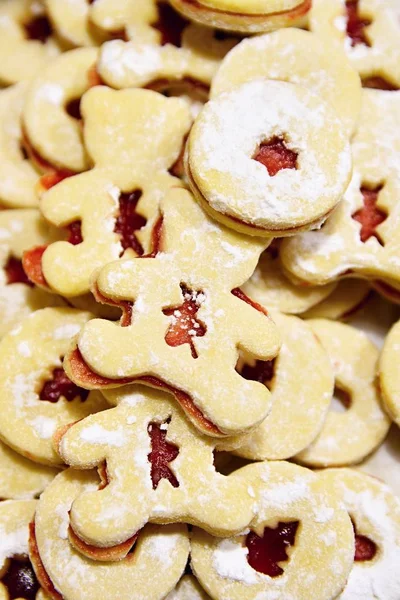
(184, 325)
(355, 24)
(369, 216)
(275, 156)
(60, 385)
(267, 551)
(161, 455)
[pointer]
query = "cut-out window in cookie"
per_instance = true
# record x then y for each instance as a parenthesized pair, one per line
(73, 108)
(378, 82)
(39, 28)
(266, 552)
(162, 454)
(20, 579)
(355, 27)
(129, 222)
(275, 156)
(370, 216)
(75, 233)
(184, 325)
(170, 24)
(15, 272)
(365, 549)
(257, 370)
(61, 386)
(341, 400)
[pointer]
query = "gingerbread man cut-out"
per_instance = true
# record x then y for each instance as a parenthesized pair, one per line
(158, 469)
(211, 261)
(131, 167)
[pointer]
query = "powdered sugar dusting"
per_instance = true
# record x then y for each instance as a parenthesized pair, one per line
(230, 562)
(96, 434)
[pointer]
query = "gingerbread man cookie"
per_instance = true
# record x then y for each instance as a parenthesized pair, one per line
(348, 436)
(150, 572)
(21, 478)
(301, 382)
(369, 32)
(389, 379)
(17, 577)
(188, 589)
(349, 296)
(375, 513)
(362, 236)
(299, 57)
(270, 287)
(265, 167)
(110, 210)
(299, 545)
(159, 468)
(36, 396)
(51, 115)
(17, 175)
(20, 229)
(186, 294)
(245, 16)
(26, 40)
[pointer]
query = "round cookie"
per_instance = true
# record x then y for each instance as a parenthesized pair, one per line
(369, 32)
(268, 168)
(188, 589)
(301, 383)
(348, 437)
(26, 40)
(51, 118)
(375, 513)
(345, 300)
(270, 287)
(245, 16)
(20, 229)
(296, 56)
(17, 577)
(389, 379)
(150, 572)
(17, 175)
(21, 478)
(36, 397)
(299, 545)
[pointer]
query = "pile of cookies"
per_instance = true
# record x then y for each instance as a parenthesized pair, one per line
(199, 236)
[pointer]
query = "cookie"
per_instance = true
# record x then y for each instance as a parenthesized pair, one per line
(20, 229)
(36, 397)
(368, 30)
(157, 465)
(301, 382)
(151, 571)
(375, 513)
(296, 56)
(346, 299)
(18, 178)
(51, 116)
(270, 287)
(72, 24)
(267, 168)
(348, 436)
(186, 294)
(245, 16)
(109, 211)
(362, 237)
(299, 545)
(384, 462)
(27, 43)
(389, 380)
(188, 589)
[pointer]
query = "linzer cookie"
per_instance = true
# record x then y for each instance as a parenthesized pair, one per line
(360, 427)
(245, 16)
(157, 465)
(36, 396)
(349, 296)
(299, 57)
(106, 210)
(150, 571)
(265, 167)
(299, 545)
(186, 295)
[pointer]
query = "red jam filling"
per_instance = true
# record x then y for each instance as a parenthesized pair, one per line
(267, 551)
(185, 326)
(369, 216)
(38, 29)
(20, 579)
(73, 108)
(129, 221)
(262, 371)
(355, 24)
(15, 273)
(42, 575)
(275, 156)
(170, 24)
(162, 453)
(365, 548)
(379, 83)
(32, 264)
(61, 385)
(75, 233)
(51, 179)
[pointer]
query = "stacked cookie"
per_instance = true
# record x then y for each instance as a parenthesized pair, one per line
(196, 195)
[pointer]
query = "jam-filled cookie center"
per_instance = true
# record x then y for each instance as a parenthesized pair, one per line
(370, 216)
(266, 552)
(184, 325)
(59, 386)
(355, 26)
(38, 28)
(20, 579)
(276, 156)
(15, 273)
(365, 548)
(129, 221)
(162, 454)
